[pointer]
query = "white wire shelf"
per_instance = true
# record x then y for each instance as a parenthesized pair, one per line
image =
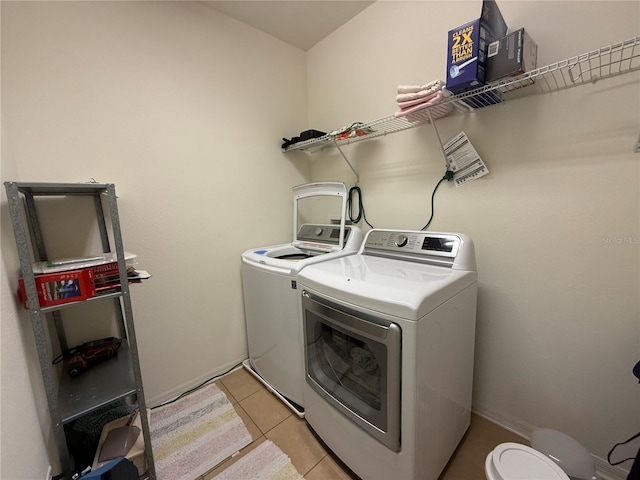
(616, 59)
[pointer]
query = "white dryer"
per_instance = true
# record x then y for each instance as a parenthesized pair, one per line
(273, 313)
(389, 345)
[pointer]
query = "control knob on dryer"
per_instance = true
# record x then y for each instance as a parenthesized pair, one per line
(401, 241)
(318, 231)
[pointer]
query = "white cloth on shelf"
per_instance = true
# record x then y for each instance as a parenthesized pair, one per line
(417, 101)
(416, 88)
(433, 102)
(425, 90)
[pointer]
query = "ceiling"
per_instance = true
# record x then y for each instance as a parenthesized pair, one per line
(301, 23)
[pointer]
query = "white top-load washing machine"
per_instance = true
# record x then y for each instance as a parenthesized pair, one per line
(269, 278)
(389, 345)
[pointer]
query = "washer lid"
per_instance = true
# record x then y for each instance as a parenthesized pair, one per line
(514, 460)
(319, 216)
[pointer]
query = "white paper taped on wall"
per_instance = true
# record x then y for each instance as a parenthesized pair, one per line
(463, 160)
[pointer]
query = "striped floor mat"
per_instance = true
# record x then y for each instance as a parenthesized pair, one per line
(194, 434)
(265, 462)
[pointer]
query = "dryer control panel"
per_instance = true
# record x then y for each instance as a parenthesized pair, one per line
(438, 248)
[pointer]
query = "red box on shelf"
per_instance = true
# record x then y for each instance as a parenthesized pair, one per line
(59, 288)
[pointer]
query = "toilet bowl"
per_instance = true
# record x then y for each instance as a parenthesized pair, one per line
(514, 461)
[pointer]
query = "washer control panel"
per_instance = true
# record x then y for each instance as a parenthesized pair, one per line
(412, 243)
(329, 234)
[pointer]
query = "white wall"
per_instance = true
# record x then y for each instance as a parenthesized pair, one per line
(555, 223)
(183, 109)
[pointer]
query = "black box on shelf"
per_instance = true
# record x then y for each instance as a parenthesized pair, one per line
(512, 55)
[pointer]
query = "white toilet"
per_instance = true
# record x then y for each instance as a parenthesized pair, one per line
(514, 461)
(554, 456)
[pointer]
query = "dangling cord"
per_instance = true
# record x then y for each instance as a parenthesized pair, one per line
(361, 213)
(447, 176)
(617, 445)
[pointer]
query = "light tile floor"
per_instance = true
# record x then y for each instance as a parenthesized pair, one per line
(266, 417)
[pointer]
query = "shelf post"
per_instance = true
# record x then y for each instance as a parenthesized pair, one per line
(19, 220)
(131, 334)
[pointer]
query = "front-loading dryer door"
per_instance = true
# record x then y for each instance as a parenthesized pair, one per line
(353, 362)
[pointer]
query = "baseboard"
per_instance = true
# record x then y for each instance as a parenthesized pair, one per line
(603, 469)
(180, 389)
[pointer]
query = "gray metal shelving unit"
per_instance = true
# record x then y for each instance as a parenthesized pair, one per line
(70, 398)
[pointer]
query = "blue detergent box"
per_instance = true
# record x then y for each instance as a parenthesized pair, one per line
(467, 48)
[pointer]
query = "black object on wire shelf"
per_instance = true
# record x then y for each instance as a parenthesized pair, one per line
(306, 135)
